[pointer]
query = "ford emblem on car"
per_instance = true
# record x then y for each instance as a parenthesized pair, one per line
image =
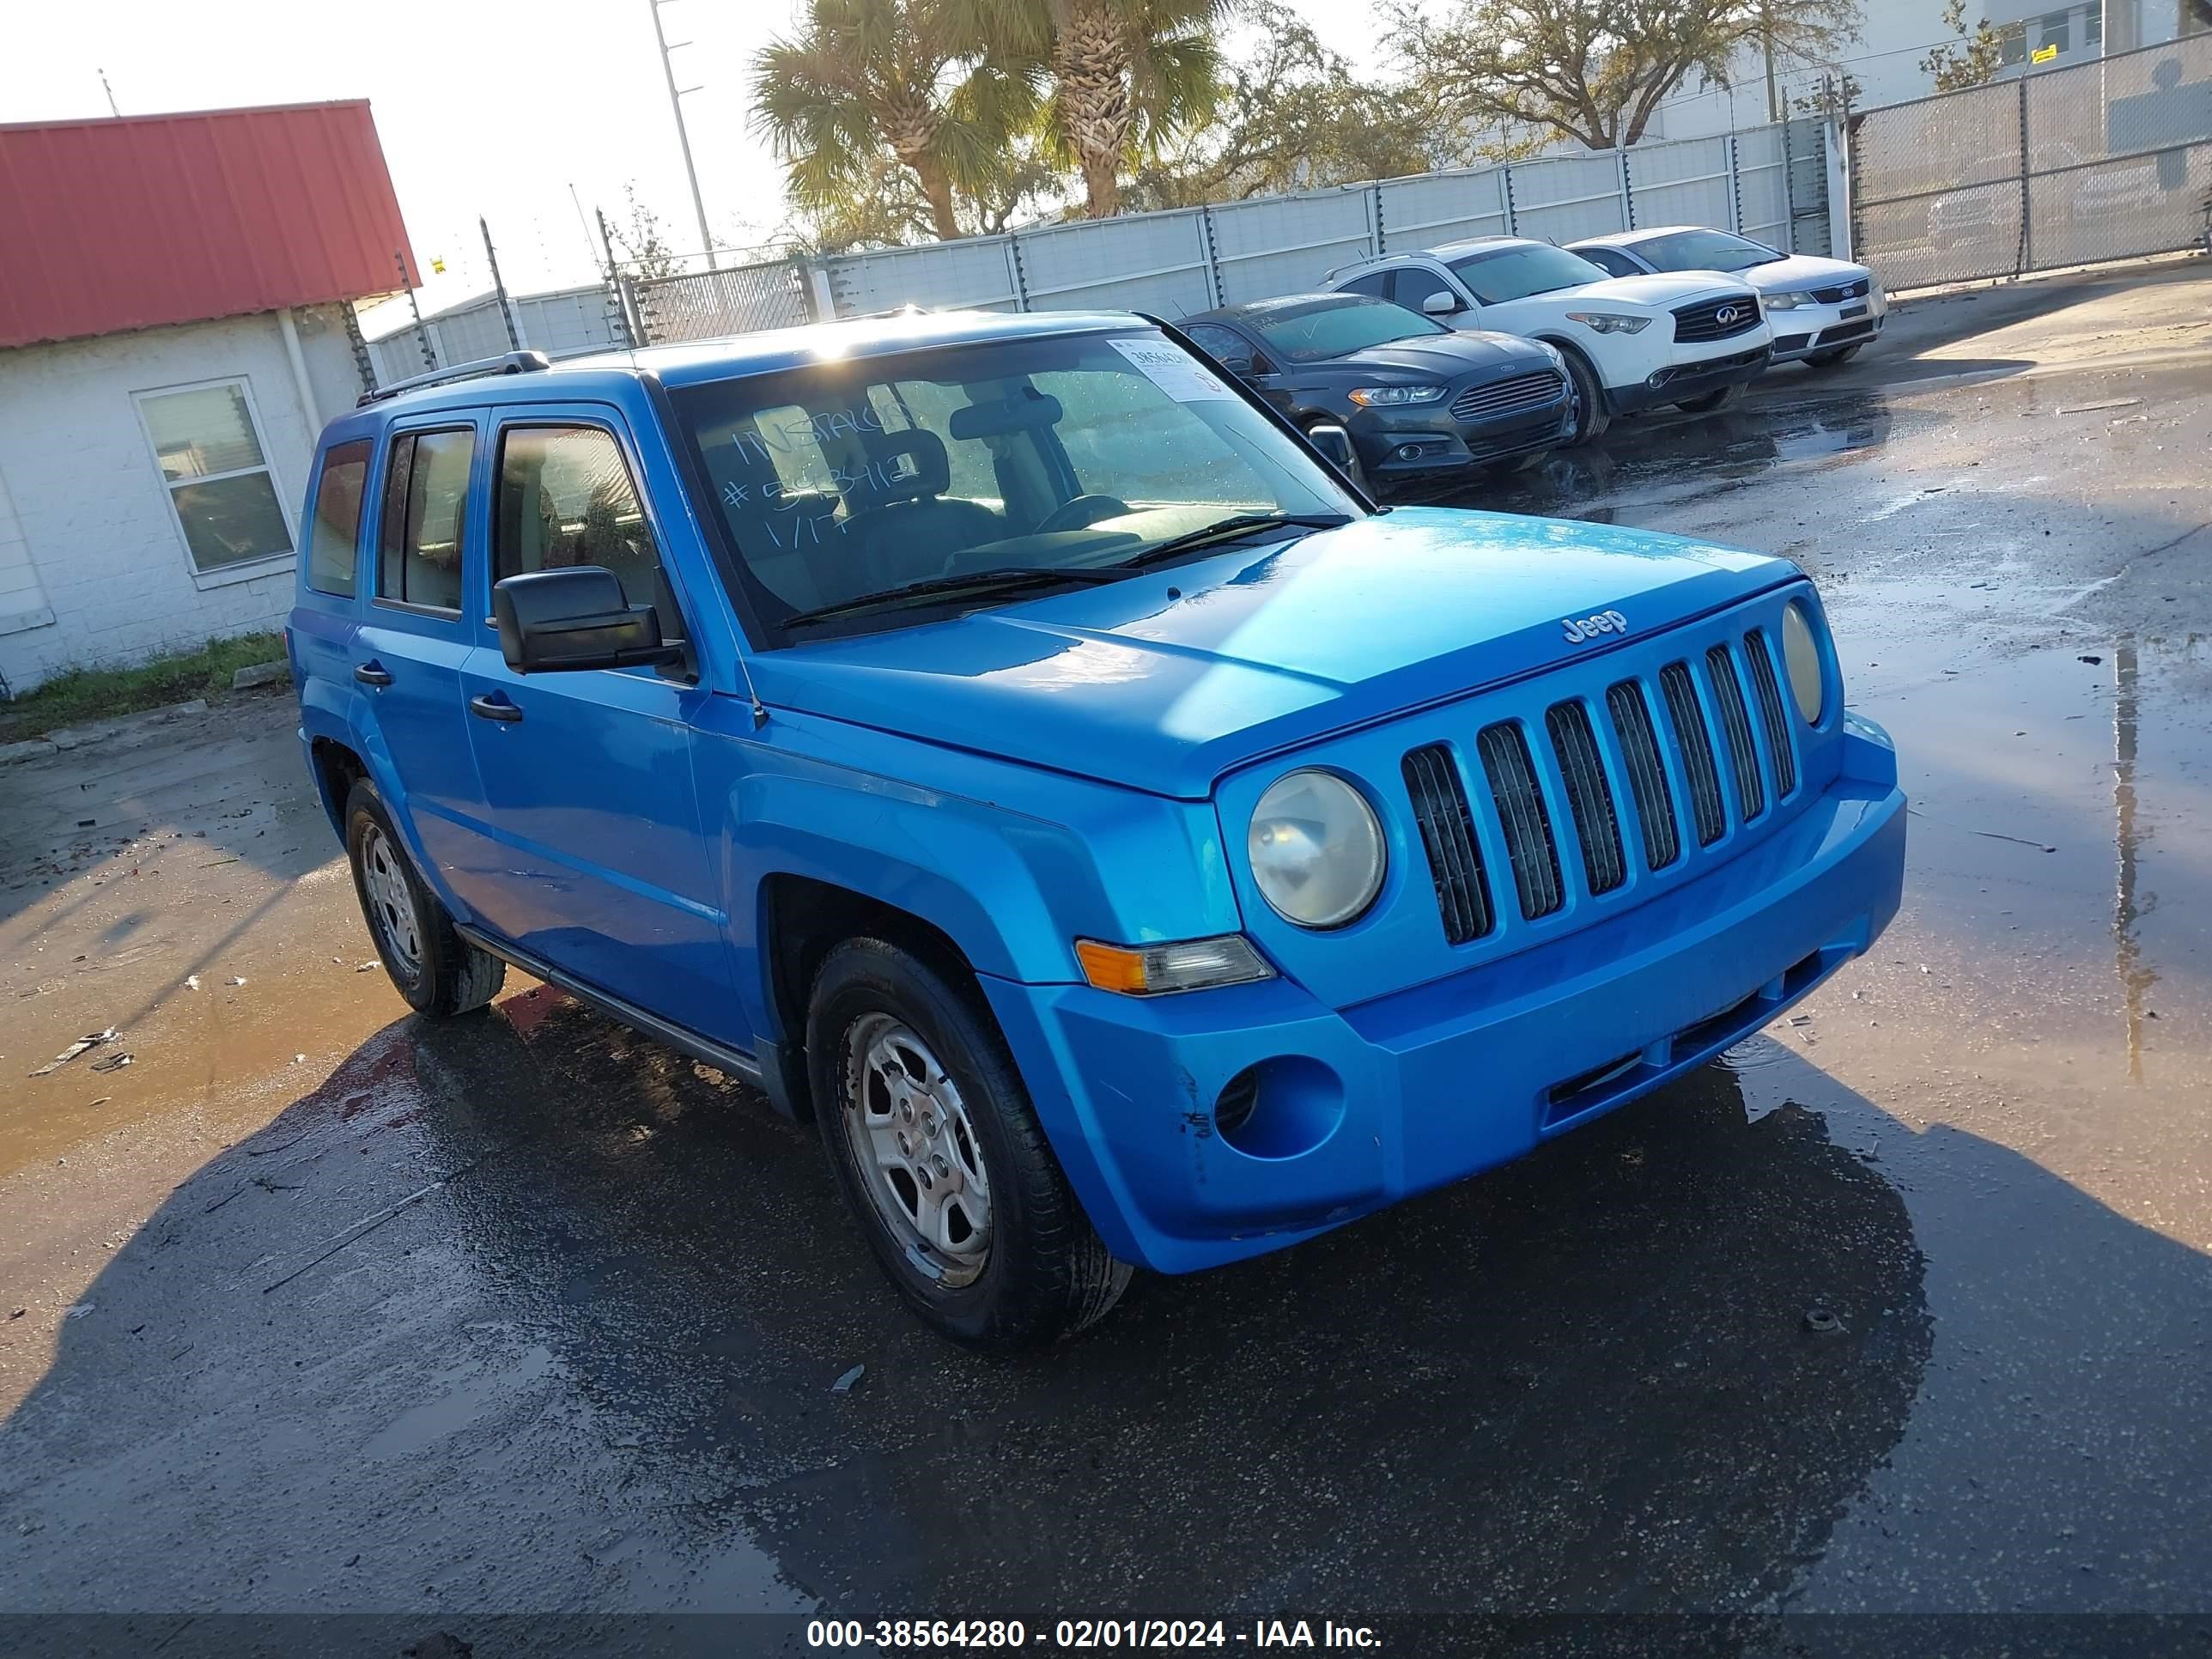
(1588, 627)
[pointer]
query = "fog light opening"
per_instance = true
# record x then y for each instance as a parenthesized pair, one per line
(1280, 1108)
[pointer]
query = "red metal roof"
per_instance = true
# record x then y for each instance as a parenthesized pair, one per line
(144, 220)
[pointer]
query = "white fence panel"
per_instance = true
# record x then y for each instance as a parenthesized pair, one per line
(1153, 262)
(1284, 244)
(977, 274)
(1562, 197)
(561, 325)
(472, 332)
(1684, 183)
(1762, 186)
(1442, 207)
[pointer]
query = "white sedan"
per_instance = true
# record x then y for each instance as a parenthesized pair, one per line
(1823, 310)
(1631, 345)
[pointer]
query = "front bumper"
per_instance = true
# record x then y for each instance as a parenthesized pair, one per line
(1799, 332)
(1376, 1101)
(1679, 383)
(1443, 444)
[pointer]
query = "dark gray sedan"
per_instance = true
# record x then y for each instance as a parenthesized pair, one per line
(1417, 397)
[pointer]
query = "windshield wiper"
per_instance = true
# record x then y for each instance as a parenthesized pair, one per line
(1229, 529)
(1005, 578)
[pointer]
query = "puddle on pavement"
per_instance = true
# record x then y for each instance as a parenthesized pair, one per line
(2059, 848)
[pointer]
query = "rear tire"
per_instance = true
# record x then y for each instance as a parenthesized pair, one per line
(1712, 403)
(1591, 418)
(439, 973)
(1831, 359)
(910, 1075)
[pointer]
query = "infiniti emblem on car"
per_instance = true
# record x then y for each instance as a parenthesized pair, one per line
(1726, 315)
(1588, 627)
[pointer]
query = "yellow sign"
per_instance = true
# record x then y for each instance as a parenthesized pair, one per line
(2046, 54)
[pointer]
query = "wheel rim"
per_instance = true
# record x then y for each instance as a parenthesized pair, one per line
(915, 1149)
(391, 903)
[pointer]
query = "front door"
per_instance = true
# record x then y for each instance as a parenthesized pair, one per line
(599, 864)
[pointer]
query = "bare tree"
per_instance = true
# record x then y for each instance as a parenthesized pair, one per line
(1595, 70)
(1976, 58)
(643, 239)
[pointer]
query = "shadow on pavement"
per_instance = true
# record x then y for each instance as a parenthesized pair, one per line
(525, 1312)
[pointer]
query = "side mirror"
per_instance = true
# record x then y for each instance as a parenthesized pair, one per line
(575, 618)
(1334, 444)
(1242, 367)
(1441, 303)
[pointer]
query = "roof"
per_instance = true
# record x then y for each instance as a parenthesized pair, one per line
(767, 351)
(1641, 233)
(147, 220)
(1290, 304)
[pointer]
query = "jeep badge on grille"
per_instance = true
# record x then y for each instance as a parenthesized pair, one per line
(1580, 628)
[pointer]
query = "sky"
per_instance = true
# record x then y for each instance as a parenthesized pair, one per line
(500, 108)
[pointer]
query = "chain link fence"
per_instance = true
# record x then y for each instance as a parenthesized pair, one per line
(701, 304)
(2107, 160)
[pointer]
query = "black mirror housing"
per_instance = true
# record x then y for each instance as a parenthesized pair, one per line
(576, 618)
(1334, 444)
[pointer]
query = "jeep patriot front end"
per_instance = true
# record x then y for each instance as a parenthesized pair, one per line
(1015, 747)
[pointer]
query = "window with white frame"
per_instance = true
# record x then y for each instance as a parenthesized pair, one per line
(209, 448)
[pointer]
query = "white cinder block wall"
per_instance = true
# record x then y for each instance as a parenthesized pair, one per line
(94, 570)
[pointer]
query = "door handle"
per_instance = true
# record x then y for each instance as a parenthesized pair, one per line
(372, 673)
(495, 706)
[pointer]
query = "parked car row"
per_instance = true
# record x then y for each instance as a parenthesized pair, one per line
(1499, 349)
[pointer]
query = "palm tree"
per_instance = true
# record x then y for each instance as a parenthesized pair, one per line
(1127, 75)
(860, 76)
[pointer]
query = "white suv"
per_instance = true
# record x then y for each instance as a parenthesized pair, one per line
(1694, 340)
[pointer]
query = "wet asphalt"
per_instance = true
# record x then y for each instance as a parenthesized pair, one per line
(1905, 1307)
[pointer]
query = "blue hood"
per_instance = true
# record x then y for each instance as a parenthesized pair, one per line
(1267, 647)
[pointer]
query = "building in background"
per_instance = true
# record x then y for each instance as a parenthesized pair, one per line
(1896, 35)
(174, 336)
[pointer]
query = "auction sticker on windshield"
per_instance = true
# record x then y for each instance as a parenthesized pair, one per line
(1170, 368)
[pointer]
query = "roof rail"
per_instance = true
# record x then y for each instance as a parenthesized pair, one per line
(513, 363)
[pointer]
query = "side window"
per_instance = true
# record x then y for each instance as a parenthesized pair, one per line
(1411, 285)
(1614, 264)
(1375, 283)
(334, 539)
(425, 493)
(566, 498)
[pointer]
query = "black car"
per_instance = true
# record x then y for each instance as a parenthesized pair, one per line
(1416, 397)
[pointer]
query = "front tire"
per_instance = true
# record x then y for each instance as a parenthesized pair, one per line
(439, 973)
(941, 1158)
(1591, 418)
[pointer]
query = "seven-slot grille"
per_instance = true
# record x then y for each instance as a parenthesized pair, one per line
(1841, 292)
(1661, 733)
(1703, 321)
(1483, 403)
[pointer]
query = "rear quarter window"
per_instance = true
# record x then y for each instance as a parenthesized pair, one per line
(334, 539)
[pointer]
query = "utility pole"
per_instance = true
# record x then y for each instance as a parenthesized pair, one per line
(1766, 40)
(682, 133)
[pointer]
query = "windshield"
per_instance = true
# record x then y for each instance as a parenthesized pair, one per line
(1337, 331)
(862, 477)
(1520, 268)
(1703, 249)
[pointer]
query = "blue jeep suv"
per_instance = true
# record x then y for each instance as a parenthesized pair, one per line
(1015, 747)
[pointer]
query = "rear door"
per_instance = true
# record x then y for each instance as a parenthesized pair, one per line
(407, 653)
(596, 860)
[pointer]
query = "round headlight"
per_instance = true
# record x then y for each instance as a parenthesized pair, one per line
(1802, 657)
(1317, 849)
